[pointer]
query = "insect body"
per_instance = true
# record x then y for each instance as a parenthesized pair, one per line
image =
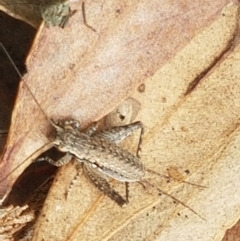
(100, 154)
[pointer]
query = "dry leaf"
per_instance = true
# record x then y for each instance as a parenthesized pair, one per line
(186, 113)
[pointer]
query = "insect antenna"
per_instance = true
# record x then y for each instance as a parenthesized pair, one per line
(145, 183)
(25, 83)
(47, 145)
(175, 179)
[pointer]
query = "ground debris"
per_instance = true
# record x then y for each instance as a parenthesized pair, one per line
(13, 219)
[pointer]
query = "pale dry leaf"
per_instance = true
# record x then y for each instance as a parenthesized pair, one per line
(191, 110)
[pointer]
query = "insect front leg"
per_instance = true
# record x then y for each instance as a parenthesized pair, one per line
(62, 161)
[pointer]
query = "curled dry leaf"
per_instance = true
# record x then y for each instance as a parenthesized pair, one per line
(185, 107)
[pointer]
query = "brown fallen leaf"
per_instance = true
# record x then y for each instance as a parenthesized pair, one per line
(184, 114)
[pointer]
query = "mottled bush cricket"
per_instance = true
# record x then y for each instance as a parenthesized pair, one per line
(101, 156)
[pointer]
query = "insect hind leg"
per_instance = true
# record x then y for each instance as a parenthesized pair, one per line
(103, 185)
(119, 133)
